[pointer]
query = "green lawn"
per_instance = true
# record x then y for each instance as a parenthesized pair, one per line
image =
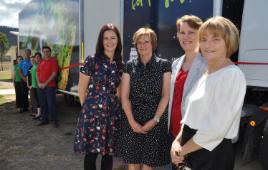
(6, 98)
(6, 86)
(2, 100)
(5, 75)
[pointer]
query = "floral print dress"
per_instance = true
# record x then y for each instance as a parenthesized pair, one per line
(96, 125)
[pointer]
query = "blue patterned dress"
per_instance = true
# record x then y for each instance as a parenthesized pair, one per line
(97, 121)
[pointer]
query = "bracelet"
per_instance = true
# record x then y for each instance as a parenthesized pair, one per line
(157, 119)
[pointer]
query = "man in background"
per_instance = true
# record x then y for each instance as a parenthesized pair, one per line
(24, 67)
(46, 76)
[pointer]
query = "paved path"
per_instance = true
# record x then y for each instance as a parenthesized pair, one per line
(8, 91)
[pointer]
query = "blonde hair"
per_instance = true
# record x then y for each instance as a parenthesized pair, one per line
(145, 31)
(222, 27)
(192, 20)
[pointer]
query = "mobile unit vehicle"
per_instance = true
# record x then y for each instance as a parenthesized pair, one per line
(71, 28)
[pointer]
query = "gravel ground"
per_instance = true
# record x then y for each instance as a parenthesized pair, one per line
(25, 146)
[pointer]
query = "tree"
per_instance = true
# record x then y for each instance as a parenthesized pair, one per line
(4, 46)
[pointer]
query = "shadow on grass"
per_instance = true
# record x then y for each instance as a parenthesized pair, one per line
(5, 99)
(6, 80)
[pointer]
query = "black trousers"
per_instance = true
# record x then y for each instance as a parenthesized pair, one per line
(18, 94)
(90, 162)
(220, 158)
(24, 95)
(34, 99)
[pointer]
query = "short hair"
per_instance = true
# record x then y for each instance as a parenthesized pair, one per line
(46, 47)
(38, 53)
(193, 21)
(148, 32)
(222, 27)
(28, 51)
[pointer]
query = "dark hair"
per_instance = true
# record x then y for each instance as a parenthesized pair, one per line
(100, 47)
(38, 53)
(46, 47)
(20, 57)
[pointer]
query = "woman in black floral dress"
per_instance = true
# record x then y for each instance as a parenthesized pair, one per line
(143, 141)
(98, 85)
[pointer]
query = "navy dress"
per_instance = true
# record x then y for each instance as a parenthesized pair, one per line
(97, 121)
(145, 94)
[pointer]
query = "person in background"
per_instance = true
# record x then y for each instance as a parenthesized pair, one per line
(186, 70)
(33, 85)
(213, 107)
(47, 71)
(24, 66)
(143, 142)
(38, 59)
(98, 90)
(17, 81)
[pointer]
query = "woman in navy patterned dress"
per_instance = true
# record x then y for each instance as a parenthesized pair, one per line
(99, 80)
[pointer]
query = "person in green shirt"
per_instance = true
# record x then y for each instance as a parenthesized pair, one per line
(33, 86)
(17, 81)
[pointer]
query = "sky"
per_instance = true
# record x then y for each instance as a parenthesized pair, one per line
(9, 10)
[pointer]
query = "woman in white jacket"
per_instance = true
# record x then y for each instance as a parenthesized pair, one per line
(213, 106)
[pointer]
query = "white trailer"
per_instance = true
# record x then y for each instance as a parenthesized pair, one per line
(128, 15)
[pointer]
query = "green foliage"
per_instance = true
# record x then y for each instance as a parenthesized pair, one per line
(4, 46)
(2, 100)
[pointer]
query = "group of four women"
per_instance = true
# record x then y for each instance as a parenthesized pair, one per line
(124, 106)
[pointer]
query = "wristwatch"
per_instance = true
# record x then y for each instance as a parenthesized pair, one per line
(157, 119)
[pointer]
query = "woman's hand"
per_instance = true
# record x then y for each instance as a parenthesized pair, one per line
(148, 126)
(175, 153)
(136, 127)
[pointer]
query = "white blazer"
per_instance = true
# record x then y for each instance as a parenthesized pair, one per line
(197, 69)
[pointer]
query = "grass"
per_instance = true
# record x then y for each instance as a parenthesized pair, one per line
(6, 86)
(6, 98)
(2, 100)
(5, 75)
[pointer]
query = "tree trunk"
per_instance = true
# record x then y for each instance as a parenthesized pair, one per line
(2, 63)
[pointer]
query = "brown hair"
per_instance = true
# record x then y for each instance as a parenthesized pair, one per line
(148, 32)
(192, 20)
(222, 27)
